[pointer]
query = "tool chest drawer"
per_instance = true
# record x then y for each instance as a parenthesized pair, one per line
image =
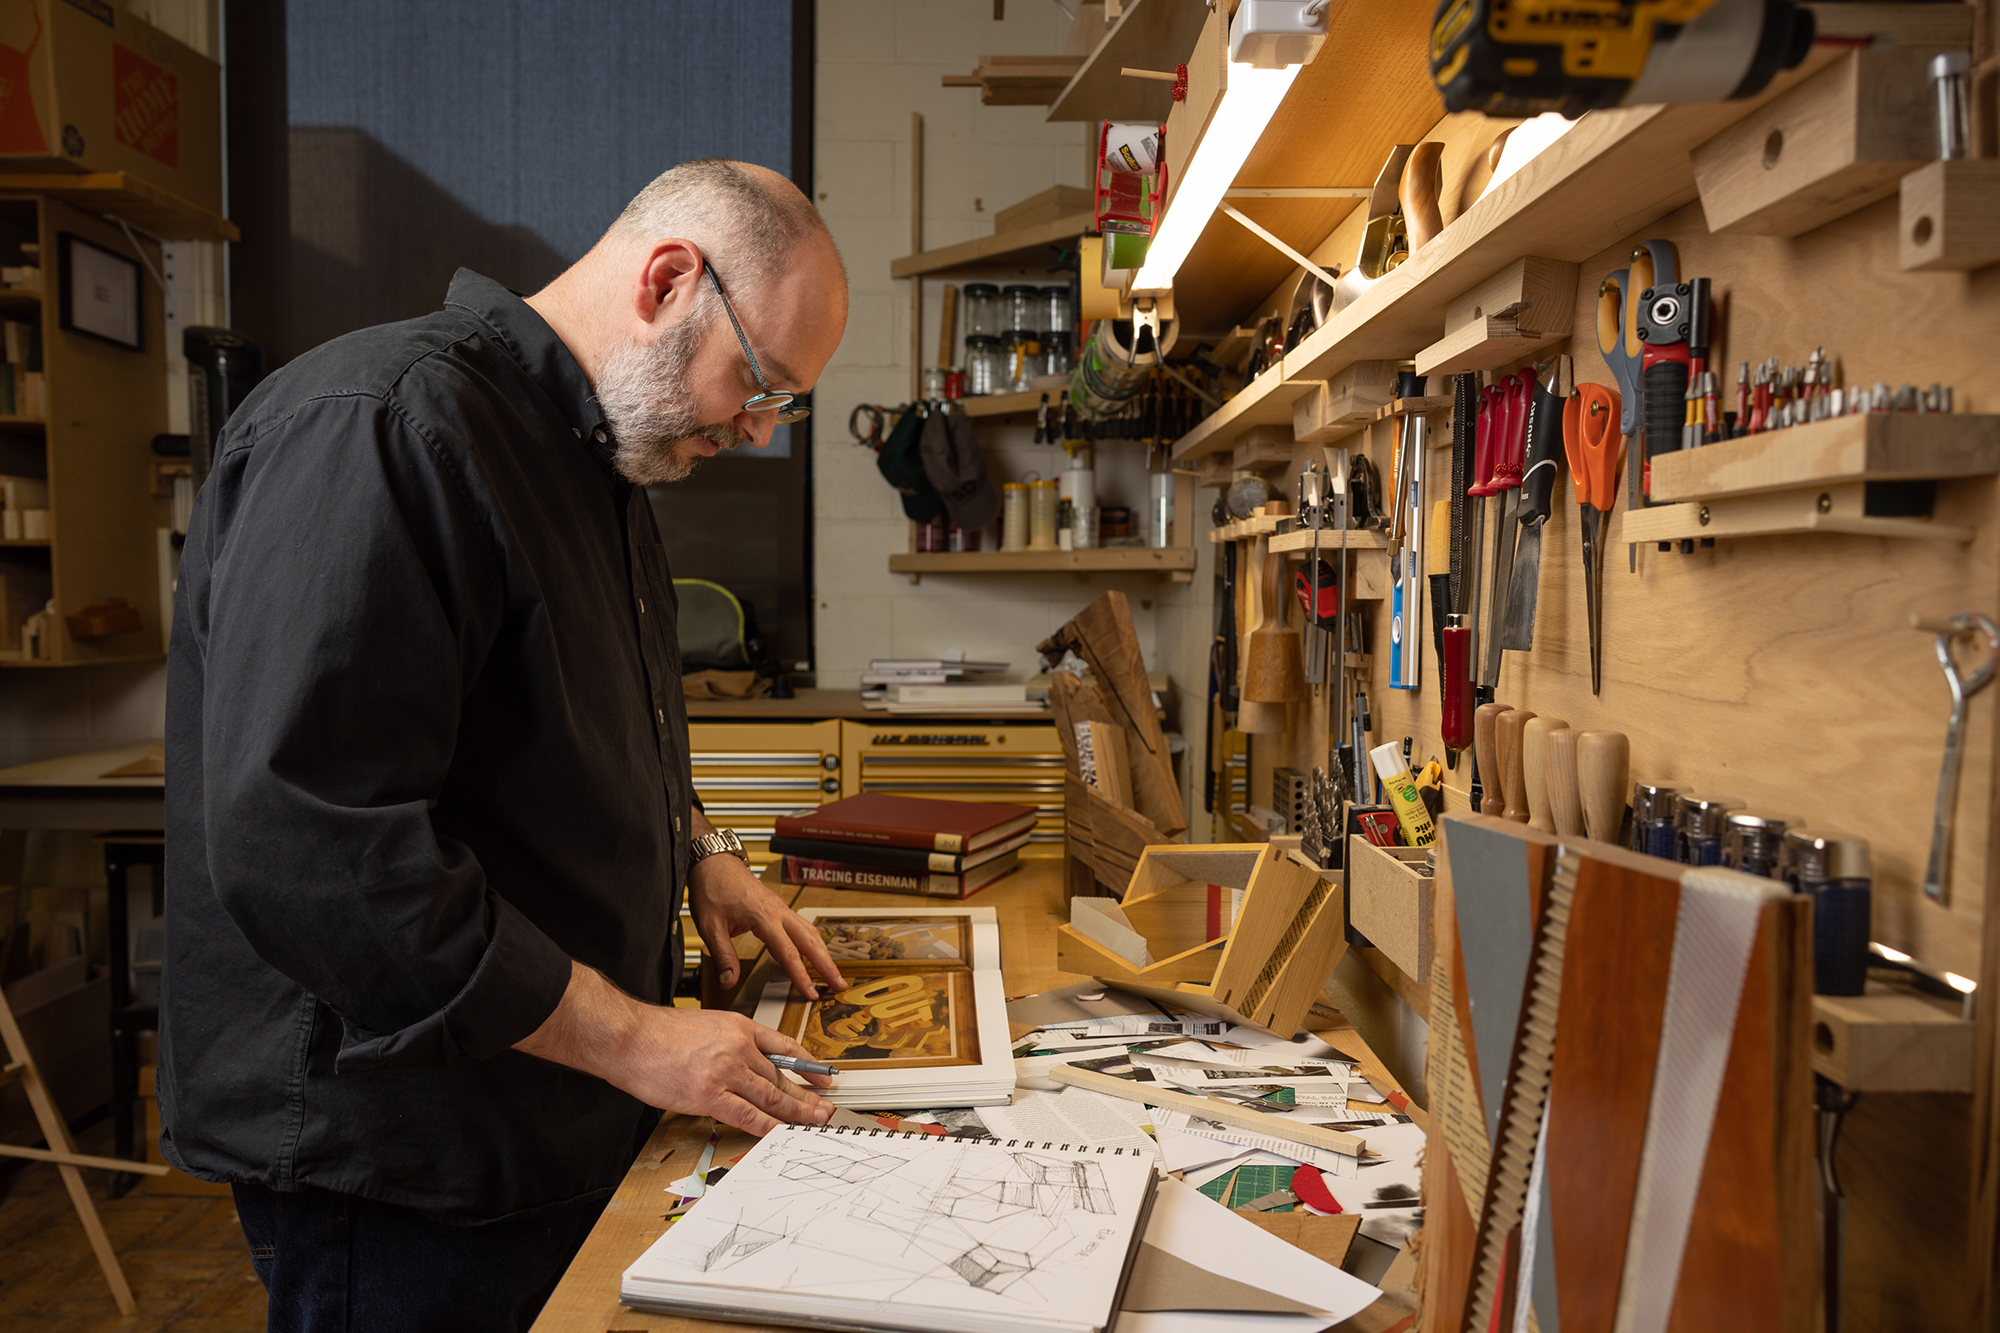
(749, 773)
(1022, 764)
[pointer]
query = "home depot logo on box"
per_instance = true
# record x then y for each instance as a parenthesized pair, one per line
(145, 106)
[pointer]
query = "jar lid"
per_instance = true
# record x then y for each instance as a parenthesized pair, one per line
(1702, 815)
(981, 289)
(1021, 335)
(981, 340)
(1039, 484)
(1830, 855)
(1016, 288)
(1745, 821)
(1651, 802)
(1012, 486)
(1062, 290)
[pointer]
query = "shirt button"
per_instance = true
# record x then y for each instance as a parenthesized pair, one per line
(661, 714)
(599, 435)
(576, 431)
(642, 606)
(677, 823)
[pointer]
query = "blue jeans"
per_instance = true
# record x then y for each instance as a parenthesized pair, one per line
(338, 1263)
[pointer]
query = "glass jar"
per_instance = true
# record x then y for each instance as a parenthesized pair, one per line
(1022, 352)
(931, 536)
(982, 309)
(1055, 311)
(1013, 517)
(1042, 506)
(934, 383)
(1021, 307)
(985, 366)
(1055, 354)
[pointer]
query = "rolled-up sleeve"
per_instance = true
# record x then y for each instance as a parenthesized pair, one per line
(350, 606)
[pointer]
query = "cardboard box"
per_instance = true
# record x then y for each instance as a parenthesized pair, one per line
(86, 86)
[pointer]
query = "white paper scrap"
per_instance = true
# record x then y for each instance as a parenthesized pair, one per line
(1065, 1117)
(1329, 1163)
(1385, 1190)
(1194, 1228)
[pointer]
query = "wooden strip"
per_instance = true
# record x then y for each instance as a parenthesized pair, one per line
(84, 1159)
(995, 250)
(1209, 1108)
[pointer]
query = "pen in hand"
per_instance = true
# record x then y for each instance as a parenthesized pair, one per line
(798, 1066)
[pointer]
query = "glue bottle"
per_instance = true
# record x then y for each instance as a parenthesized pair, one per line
(1404, 798)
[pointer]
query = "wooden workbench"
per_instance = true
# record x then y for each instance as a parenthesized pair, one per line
(1030, 904)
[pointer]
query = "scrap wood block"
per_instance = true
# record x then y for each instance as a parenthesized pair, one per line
(1842, 139)
(1102, 635)
(1262, 446)
(1522, 308)
(1344, 404)
(1892, 1040)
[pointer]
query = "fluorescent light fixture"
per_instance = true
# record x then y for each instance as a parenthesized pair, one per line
(1247, 106)
(1893, 955)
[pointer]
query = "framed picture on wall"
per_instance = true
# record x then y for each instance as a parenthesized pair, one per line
(99, 292)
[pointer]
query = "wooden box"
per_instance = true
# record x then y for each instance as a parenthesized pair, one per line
(1841, 139)
(1270, 967)
(1390, 903)
(1183, 899)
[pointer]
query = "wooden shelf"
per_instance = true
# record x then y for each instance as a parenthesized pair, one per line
(1018, 80)
(1113, 559)
(1887, 446)
(1358, 539)
(1011, 404)
(1264, 401)
(1841, 508)
(42, 542)
(1020, 245)
(23, 423)
(1150, 34)
(123, 195)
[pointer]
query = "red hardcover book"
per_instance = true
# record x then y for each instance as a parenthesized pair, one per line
(908, 821)
(889, 879)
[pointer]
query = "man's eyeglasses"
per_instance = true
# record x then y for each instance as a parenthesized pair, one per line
(770, 399)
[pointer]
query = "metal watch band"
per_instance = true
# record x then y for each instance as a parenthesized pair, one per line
(722, 840)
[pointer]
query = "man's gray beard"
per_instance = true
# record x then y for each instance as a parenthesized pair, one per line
(650, 405)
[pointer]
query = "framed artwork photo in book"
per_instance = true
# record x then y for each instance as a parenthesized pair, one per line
(99, 292)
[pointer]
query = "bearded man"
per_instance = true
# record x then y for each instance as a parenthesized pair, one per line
(429, 807)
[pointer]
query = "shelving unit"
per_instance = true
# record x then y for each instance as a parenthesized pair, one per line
(1026, 402)
(141, 203)
(1118, 559)
(1019, 245)
(106, 402)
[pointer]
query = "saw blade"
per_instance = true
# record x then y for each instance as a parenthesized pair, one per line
(1517, 635)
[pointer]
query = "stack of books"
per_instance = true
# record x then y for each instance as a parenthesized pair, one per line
(902, 844)
(947, 684)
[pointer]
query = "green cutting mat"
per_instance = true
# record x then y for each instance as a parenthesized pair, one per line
(1252, 1182)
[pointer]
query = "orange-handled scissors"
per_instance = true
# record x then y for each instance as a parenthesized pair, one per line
(1596, 450)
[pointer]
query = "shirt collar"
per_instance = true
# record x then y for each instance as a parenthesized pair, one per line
(548, 361)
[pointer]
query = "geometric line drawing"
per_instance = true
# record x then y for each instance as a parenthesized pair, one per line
(991, 1268)
(739, 1242)
(847, 1170)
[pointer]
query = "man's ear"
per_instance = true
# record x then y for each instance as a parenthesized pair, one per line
(669, 281)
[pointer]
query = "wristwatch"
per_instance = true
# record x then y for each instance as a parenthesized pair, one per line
(722, 840)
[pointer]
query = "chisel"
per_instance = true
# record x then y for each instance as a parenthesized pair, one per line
(1536, 770)
(1565, 799)
(1509, 460)
(1603, 761)
(1486, 751)
(1545, 457)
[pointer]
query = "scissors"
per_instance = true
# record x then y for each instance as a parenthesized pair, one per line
(1654, 263)
(1596, 450)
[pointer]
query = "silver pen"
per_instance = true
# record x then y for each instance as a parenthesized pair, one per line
(799, 1066)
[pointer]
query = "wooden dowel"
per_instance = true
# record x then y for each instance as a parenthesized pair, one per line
(1161, 75)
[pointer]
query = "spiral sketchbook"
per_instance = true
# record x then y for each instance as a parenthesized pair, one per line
(870, 1229)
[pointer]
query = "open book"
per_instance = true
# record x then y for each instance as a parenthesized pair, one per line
(923, 1021)
(868, 1229)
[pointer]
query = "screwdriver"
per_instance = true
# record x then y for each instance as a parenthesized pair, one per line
(1603, 759)
(1510, 731)
(1535, 770)
(1565, 801)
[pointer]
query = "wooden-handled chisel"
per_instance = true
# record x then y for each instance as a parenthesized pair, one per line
(1512, 730)
(1535, 770)
(1486, 752)
(1544, 465)
(1603, 765)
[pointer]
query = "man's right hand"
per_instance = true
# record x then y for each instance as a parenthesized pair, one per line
(704, 1062)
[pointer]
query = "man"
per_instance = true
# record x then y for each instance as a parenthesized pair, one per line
(428, 800)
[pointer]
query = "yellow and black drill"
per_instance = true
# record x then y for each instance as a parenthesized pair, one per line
(1526, 57)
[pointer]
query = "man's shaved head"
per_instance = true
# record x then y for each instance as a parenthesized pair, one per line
(747, 218)
(647, 326)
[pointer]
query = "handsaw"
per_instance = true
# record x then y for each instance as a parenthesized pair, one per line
(1544, 465)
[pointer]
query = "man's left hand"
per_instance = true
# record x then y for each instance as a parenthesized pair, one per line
(728, 900)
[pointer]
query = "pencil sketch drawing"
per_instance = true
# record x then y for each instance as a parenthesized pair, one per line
(891, 1221)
